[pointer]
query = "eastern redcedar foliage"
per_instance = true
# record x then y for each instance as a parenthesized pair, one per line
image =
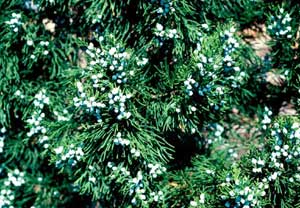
(129, 104)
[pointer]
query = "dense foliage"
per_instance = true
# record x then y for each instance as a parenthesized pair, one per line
(149, 103)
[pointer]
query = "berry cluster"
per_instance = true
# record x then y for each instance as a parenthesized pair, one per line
(15, 22)
(280, 25)
(117, 102)
(71, 155)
